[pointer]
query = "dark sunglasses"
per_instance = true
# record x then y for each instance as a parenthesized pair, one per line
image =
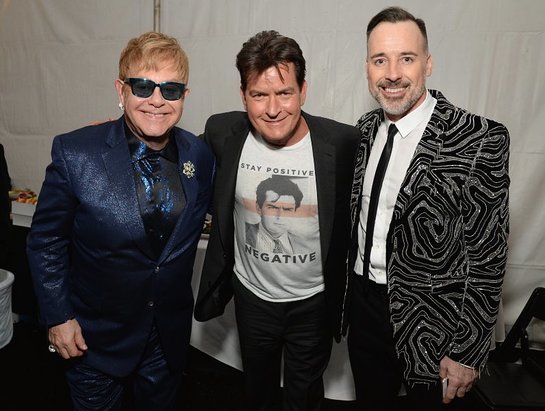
(142, 87)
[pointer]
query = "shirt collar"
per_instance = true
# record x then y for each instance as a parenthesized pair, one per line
(139, 150)
(422, 113)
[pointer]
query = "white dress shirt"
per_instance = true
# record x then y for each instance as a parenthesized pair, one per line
(410, 130)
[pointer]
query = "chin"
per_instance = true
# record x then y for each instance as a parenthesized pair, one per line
(275, 136)
(157, 132)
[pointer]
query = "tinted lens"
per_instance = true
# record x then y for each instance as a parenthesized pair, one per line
(141, 87)
(171, 90)
(144, 88)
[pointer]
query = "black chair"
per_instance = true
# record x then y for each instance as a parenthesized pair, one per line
(514, 378)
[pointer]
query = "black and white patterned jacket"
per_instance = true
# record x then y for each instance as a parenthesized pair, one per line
(447, 242)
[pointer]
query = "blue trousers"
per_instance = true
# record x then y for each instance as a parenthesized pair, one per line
(154, 386)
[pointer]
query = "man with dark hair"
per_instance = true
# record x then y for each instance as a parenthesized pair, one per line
(429, 228)
(288, 305)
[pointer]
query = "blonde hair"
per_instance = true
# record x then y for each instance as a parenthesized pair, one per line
(148, 51)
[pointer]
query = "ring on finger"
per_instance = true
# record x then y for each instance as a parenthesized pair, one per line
(52, 348)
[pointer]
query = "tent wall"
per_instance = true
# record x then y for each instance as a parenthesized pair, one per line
(58, 63)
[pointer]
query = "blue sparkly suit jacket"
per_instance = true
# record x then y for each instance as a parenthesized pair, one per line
(447, 241)
(91, 259)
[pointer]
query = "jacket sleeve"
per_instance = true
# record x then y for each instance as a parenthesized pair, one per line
(485, 210)
(49, 241)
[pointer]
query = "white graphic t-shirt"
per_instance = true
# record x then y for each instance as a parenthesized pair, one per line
(277, 236)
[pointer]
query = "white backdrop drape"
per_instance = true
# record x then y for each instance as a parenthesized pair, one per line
(58, 63)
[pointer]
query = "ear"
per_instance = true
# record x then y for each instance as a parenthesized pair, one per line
(186, 93)
(119, 88)
(429, 65)
(303, 92)
(243, 97)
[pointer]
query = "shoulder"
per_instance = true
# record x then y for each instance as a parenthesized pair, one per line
(87, 137)
(190, 141)
(370, 118)
(226, 128)
(227, 119)
(455, 117)
(188, 137)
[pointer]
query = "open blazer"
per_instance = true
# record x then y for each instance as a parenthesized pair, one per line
(447, 242)
(334, 147)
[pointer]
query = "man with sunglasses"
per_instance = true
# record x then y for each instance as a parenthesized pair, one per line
(114, 237)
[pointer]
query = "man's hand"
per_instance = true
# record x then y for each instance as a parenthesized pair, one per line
(460, 378)
(67, 339)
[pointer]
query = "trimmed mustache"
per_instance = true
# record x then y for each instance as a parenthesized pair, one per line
(392, 84)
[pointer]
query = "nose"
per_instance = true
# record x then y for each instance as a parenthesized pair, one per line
(156, 98)
(273, 106)
(393, 73)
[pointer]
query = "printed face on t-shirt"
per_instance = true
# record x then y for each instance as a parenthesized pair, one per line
(274, 211)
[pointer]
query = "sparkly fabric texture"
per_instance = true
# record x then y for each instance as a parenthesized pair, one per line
(159, 189)
(447, 242)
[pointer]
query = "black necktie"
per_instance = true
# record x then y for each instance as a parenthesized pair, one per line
(375, 194)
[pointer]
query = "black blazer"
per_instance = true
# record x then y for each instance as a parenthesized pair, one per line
(447, 242)
(334, 146)
(5, 207)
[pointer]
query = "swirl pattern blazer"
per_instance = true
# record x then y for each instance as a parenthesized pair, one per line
(447, 242)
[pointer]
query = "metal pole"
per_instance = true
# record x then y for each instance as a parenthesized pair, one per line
(157, 15)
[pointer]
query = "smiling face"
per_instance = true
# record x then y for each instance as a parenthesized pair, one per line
(397, 66)
(273, 100)
(151, 118)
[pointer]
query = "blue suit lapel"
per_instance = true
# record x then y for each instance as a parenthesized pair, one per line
(187, 169)
(117, 163)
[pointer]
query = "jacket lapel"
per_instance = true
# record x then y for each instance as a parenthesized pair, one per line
(226, 179)
(324, 165)
(427, 150)
(429, 146)
(187, 169)
(368, 126)
(117, 163)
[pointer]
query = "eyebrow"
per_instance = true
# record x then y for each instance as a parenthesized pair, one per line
(282, 90)
(403, 53)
